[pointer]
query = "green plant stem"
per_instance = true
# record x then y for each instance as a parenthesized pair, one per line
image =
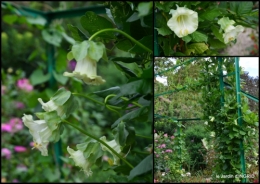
(78, 94)
(123, 98)
(146, 137)
(123, 33)
(102, 142)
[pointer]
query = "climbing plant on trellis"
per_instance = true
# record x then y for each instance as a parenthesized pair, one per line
(225, 112)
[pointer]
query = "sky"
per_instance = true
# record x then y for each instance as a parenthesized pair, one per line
(249, 64)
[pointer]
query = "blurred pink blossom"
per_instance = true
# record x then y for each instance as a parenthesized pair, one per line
(24, 84)
(16, 124)
(15, 181)
(165, 135)
(3, 89)
(20, 149)
(172, 137)
(163, 146)
(19, 105)
(156, 140)
(6, 127)
(32, 144)
(22, 167)
(157, 156)
(154, 130)
(6, 152)
(168, 151)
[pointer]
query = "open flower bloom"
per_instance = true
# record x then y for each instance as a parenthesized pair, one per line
(40, 132)
(113, 144)
(86, 70)
(230, 31)
(51, 106)
(80, 160)
(183, 22)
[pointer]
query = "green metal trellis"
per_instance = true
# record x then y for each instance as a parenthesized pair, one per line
(49, 17)
(222, 85)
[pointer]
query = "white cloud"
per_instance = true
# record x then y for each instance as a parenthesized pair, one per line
(250, 64)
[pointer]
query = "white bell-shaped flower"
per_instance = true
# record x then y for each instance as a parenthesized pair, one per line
(86, 70)
(40, 132)
(80, 160)
(51, 106)
(113, 144)
(230, 31)
(183, 22)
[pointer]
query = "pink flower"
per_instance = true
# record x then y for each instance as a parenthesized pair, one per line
(3, 89)
(172, 137)
(15, 181)
(6, 127)
(165, 135)
(157, 156)
(24, 84)
(163, 146)
(19, 105)
(156, 140)
(6, 152)
(22, 167)
(168, 151)
(20, 149)
(16, 124)
(154, 130)
(32, 144)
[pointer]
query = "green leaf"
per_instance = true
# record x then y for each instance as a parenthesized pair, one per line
(242, 132)
(217, 34)
(129, 116)
(95, 50)
(124, 45)
(37, 20)
(61, 60)
(33, 55)
(106, 92)
(93, 23)
(80, 50)
(70, 106)
(144, 166)
(216, 44)
(148, 73)
(37, 77)
(129, 73)
(127, 59)
(9, 19)
(121, 134)
(198, 47)
(187, 38)
(165, 6)
(142, 86)
(60, 78)
(210, 14)
(199, 37)
(245, 7)
(146, 41)
(165, 30)
(61, 96)
(144, 8)
(52, 36)
(68, 38)
(52, 119)
(76, 33)
(70, 56)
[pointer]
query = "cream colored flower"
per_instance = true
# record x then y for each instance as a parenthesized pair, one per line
(80, 160)
(51, 106)
(230, 31)
(113, 144)
(86, 70)
(183, 22)
(40, 132)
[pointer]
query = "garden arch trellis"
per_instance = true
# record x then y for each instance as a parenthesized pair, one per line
(222, 84)
(50, 50)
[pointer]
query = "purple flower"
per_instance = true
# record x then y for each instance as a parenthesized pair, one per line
(19, 105)
(20, 149)
(6, 152)
(24, 84)
(72, 65)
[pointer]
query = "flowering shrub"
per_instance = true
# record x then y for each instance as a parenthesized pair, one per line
(167, 162)
(201, 28)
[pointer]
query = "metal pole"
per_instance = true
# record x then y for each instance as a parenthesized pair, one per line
(221, 80)
(240, 120)
(155, 44)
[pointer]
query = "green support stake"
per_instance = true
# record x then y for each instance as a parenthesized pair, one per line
(240, 120)
(52, 85)
(155, 44)
(221, 82)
